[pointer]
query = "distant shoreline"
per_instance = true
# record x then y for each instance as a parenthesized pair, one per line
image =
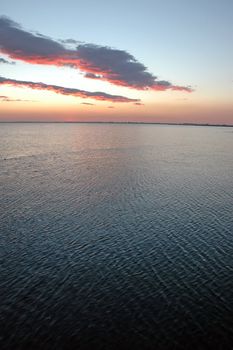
(103, 122)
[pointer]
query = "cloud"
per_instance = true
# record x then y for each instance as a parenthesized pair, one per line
(88, 104)
(3, 60)
(111, 107)
(139, 104)
(26, 46)
(93, 76)
(101, 96)
(70, 41)
(4, 98)
(98, 62)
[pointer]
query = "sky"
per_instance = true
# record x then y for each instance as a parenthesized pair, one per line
(146, 61)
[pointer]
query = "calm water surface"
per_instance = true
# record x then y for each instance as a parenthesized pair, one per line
(116, 237)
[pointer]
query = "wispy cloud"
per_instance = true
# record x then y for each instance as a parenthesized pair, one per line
(101, 96)
(97, 62)
(87, 103)
(4, 98)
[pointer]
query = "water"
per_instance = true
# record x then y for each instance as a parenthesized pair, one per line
(116, 237)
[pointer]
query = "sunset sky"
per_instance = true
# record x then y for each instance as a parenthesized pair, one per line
(125, 60)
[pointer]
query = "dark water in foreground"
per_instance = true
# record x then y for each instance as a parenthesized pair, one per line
(116, 237)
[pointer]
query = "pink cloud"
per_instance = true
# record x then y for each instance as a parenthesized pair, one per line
(101, 96)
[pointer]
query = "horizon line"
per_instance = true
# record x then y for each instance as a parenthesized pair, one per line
(111, 122)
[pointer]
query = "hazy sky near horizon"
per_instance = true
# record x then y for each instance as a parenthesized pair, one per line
(150, 60)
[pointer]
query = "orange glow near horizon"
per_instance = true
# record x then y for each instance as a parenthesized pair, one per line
(103, 111)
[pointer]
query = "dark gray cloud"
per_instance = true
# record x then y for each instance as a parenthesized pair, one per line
(116, 66)
(3, 60)
(20, 44)
(97, 62)
(101, 96)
